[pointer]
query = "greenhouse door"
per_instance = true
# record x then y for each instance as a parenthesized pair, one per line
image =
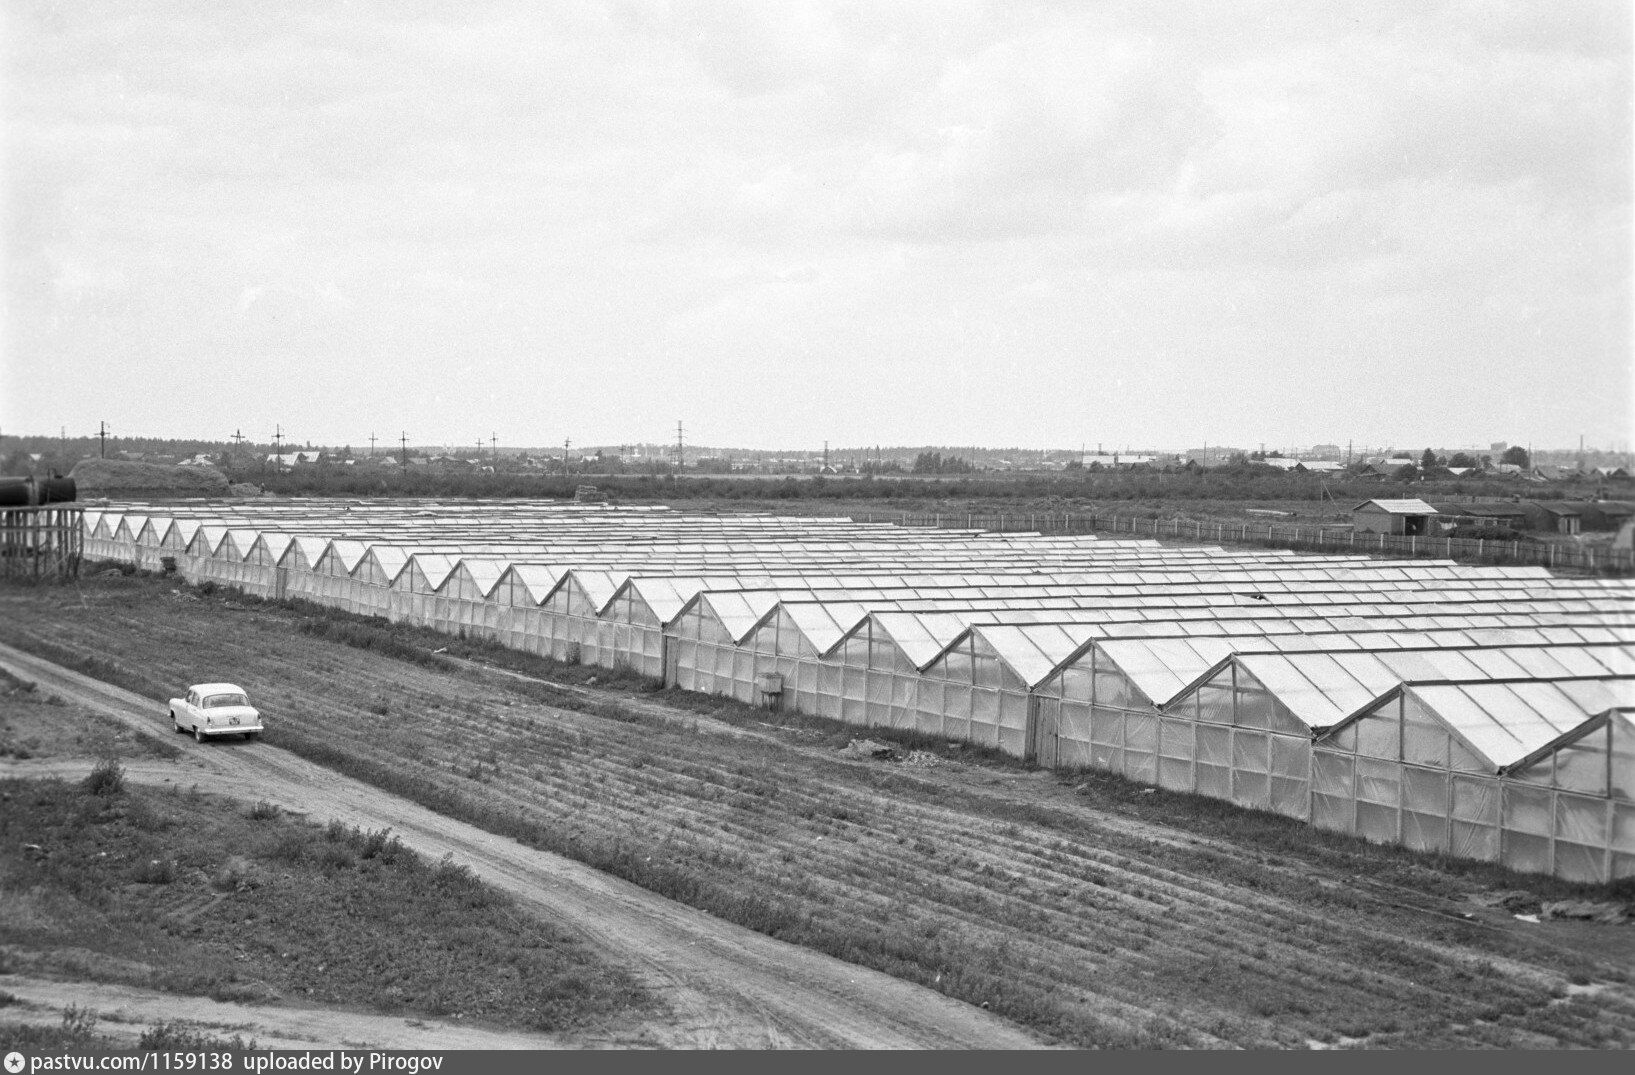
(1044, 716)
(281, 582)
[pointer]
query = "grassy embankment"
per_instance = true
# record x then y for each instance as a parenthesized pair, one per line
(195, 895)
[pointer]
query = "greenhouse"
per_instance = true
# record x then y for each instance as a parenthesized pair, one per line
(1483, 712)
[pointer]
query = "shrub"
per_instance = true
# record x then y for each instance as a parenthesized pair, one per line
(106, 779)
(264, 811)
(155, 872)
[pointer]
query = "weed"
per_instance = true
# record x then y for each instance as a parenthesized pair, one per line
(265, 811)
(155, 872)
(78, 1022)
(108, 778)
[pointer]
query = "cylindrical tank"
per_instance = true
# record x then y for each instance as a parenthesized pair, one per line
(55, 491)
(24, 492)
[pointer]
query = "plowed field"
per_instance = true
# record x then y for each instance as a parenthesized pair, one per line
(1088, 910)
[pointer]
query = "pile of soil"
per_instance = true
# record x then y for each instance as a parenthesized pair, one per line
(120, 480)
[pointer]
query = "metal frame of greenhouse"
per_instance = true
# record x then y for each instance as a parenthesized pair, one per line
(1481, 712)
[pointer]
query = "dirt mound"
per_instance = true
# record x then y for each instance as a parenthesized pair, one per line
(122, 480)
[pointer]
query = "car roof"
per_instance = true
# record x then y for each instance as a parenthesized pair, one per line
(217, 688)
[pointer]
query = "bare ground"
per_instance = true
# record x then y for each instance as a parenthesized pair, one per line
(1091, 911)
(726, 986)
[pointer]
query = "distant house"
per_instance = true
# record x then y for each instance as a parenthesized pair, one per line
(286, 460)
(1320, 466)
(1499, 513)
(1115, 460)
(1550, 472)
(1556, 516)
(200, 460)
(1610, 472)
(1405, 517)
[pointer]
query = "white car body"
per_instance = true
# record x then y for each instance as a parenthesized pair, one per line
(212, 709)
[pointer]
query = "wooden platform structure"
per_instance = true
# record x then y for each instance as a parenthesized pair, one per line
(41, 542)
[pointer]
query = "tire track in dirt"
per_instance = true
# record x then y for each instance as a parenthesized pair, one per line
(729, 987)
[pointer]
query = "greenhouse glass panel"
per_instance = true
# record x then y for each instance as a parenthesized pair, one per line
(1379, 782)
(932, 695)
(1623, 828)
(1174, 774)
(1075, 684)
(984, 715)
(1581, 820)
(1175, 755)
(1345, 739)
(1528, 810)
(1072, 725)
(1581, 765)
(1332, 800)
(1577, 862)
(1424, 832)
(1111, 688)
(1425, 791)
(1291, 796)
(1215, 699)
(1424, 738)
(1623, 758)
(1251, 751)
(1460, 759)
(1253, 790)
(1377, 824)
(1475, 801)
(1213, 780)
(1214, 745)
(1527, 853)
(1177, 739)
(957, 666)
(1013, 711)
(1291, 757)
(1541, 773)
(854, 711)
(1254, 702)
(1141, 765)
(828, 678)
(1013, 741)
(1378, 734)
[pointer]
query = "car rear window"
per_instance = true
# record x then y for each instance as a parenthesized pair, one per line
(217, 701)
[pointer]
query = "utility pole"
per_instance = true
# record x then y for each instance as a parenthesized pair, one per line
(371, 445)
(102, 435)
(567, 442)
(680, 449)
(493, 444)
(404, 440)
(278, 444)
(825, 455)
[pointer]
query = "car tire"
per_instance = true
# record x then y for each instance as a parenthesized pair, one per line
(175, 724)
(198, 736)
(250, 737)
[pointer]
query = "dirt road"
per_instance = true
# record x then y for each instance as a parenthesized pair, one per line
(727, 987)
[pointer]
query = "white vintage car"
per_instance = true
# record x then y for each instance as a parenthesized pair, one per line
(212, 709)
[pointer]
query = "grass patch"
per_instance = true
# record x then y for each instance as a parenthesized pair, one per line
(192, 896)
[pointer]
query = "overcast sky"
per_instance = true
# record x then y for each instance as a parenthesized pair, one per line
(1043, 224)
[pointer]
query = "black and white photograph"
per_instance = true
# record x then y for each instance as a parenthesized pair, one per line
(672, 525)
